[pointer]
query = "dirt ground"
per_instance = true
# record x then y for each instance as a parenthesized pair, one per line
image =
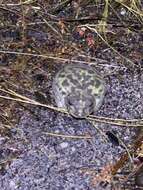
(44, 149)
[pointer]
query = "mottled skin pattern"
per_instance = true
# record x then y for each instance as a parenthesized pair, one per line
(79, 89)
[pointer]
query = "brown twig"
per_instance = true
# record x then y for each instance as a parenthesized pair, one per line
(124, 158)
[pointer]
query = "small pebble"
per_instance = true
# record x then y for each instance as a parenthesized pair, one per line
(123, 11)
(64, 145)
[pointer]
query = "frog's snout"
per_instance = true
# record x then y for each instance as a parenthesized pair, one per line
(79, 114)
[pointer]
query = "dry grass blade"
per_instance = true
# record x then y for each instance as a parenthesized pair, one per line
(24, 99)
(10, 159)
(118, 122)
(61, 6)
(19, 4)
(94, 124)
(103, 23)
(56, 58)
(68, 136)
(50, 26)
(132, 8)
(90, 27)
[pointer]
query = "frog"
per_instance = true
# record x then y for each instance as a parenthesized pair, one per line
(79, 89)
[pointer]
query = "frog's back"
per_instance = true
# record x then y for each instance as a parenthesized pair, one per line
(77, 78)
(81, 77)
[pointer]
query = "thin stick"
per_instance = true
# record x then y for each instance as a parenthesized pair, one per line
(56, 58)
(68, 136)
(118, 122)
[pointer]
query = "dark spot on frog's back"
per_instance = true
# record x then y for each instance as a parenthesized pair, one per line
(73, 81)
(87, 77)
(89, 91)
(61, 75)
(73, 90)
(91, 72)
(65, 83)
(97, 83)
(78, 76)
(86, 84)
(69, 76)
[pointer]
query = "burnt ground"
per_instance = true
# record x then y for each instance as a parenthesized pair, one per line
(36, 40)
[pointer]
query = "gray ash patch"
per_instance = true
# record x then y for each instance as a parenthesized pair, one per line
(54, 163)
(124, 96)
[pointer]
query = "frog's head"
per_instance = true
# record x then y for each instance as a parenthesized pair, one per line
(80, 105)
